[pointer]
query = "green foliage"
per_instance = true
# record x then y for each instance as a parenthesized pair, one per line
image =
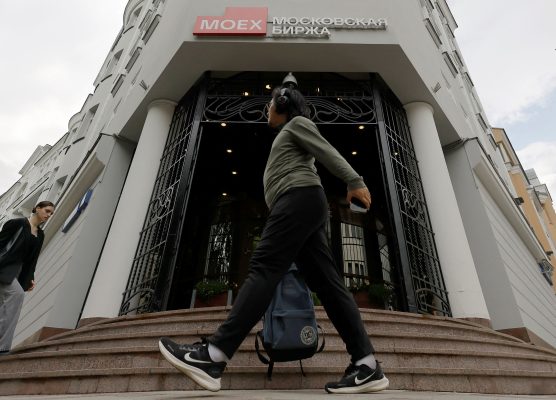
(210, 288)
(316, 300)
(378, 292)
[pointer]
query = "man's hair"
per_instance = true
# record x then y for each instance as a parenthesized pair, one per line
(294, 104)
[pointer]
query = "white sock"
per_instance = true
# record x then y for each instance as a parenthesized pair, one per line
(216, 354)
(369, 361)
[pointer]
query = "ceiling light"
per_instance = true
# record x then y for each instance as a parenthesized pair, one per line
(268, 87)
(228, 150)
(246, 93)
(223, 124)
(224, 194)
(361, 127)
(234, 172)
(354, 153)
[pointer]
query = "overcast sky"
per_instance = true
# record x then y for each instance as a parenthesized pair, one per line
(53, 50)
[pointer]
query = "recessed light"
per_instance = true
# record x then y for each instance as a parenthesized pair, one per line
(354, 153)
(361, 127)
(228, 150)
(223, 124)
(224, 194)
(234, 172)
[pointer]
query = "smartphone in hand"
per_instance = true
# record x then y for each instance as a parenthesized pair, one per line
(356, 205)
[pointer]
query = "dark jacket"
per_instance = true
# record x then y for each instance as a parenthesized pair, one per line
(21, 260)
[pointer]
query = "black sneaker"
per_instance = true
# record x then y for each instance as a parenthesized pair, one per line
(359, 379)
(194, 361)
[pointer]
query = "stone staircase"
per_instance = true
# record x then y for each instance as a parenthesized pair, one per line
(417, 352)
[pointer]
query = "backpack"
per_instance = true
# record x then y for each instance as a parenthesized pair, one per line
(290, 331)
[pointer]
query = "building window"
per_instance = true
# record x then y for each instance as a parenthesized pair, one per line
(147, 20)
(112, 64)
(504, 153)
(118, 84)
(87, 121)
(428, 5)
(219, 252)
(458, 58)
(546, 270)
(433, 32)
(133, 58)
(134, 16)
(151, 28)
(451, 66)
(467, 78)
(356, 271)
(482, 122)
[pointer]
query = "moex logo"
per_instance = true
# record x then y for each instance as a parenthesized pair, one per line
(248, 21)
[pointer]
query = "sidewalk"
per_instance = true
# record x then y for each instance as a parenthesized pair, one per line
(280, 395)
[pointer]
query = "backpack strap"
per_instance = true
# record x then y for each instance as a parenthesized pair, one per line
(263, 359)
(321, 348)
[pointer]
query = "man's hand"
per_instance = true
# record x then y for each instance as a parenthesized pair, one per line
(361, 194)
(32, 286)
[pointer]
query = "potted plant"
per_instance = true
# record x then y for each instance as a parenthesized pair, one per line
(379, 294)
(374, 295)
(360, 294)
(211, 293)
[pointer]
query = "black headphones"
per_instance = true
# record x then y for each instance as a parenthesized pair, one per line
(283, 100)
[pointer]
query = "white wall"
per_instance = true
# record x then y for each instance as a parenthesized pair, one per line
(535, 299)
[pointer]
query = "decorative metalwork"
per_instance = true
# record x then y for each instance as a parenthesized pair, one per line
(324, 110)
(330, 98)
(337, 110)
(424, 284)
(161, 205)
(158, 236)
(412, 205)
(236, 108)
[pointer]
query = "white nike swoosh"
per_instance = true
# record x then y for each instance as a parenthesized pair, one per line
(359, 382)
(187, 358)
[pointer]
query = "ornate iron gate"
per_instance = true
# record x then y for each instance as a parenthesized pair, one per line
(423, 281)
(159, 238)
(334, 101)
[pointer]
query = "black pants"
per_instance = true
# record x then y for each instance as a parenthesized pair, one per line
(294, 231)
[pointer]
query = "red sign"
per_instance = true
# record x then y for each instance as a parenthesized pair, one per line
(237, 21)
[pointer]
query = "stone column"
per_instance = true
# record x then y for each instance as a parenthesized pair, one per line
(458, 268)
(109, 282)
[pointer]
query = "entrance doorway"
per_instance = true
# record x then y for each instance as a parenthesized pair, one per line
(207, 209)
(226, 211)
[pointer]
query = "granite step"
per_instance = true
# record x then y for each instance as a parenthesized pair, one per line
(418, 353)
(148, 356)
(117, 380)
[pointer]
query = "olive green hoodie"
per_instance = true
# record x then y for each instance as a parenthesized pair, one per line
(291, 162)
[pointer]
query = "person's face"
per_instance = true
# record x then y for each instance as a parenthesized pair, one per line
(44, 213)
(274, 118)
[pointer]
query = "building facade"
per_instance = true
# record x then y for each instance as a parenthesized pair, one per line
(158, 180)
(534, 200)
